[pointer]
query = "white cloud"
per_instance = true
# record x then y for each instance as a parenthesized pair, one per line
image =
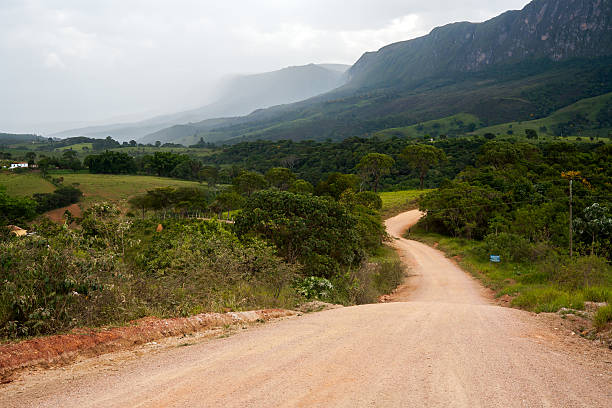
(84, 60)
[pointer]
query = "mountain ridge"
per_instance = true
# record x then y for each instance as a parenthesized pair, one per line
(520, 65)
(240, 96)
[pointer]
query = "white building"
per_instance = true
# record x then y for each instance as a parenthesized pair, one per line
(20, 165)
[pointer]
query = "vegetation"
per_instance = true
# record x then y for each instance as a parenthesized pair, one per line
(514, 203)
(24, 184)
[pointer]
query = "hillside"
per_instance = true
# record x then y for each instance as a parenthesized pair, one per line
(239, 95)
(519, 66)
(555, 30)
(9, 138)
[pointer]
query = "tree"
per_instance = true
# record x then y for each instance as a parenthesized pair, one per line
(227, 201)
(280, 177)
(248, 182)
(30, 157)
(374, 166)
(336, 184)
(301, 187)
(210, 174)
(421, 157)
(15, 210)
(596, 223)
(318, 232)
(531, 134)
(110, 162)
(141, 202)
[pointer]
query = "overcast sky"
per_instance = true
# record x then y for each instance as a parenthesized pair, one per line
(72, 61)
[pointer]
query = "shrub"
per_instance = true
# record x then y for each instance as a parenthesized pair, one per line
(509, 246)
(602, 317)
(584, 271)
(314, 287)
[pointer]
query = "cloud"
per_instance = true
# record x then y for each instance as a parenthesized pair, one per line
(85, 60)
(52, 60)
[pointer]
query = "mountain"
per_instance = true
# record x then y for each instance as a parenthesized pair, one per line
(555, 30)
(521, 65)
(239, 95)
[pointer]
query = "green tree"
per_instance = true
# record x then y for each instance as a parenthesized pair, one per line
(280, 177)
(227, 201)
(531, 134)
(375, 165)
(318, 232)
(422, 157)
(595, 223)
(31, 158)
(301, 187)
(248, 182)
(210, 174)
(142, 203)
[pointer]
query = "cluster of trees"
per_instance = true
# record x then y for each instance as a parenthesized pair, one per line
(61, 197)
(315, 161)
(67, 161)
(111, 162)
(18, 210)
(164, 164)
(518, 189)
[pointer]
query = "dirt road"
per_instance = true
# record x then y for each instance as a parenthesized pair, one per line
(445, 345)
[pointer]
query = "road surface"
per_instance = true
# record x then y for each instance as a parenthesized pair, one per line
(442, 344)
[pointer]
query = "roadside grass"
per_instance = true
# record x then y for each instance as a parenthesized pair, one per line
(390, 271)
(395, 202)
(602, 317)
(24, 184)
(530, 285)
(380, 275)
(118, 188)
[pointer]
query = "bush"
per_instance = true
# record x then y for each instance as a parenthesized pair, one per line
(314, 287)
(584, 271)
(602, 317)
(510, 247)
(317, 232)
(61, 197)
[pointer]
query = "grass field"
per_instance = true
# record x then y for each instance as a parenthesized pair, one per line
(587, 107)
(105, 187)
(395, 202)
(24, 184)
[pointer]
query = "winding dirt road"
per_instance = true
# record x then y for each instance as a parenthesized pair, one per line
(440, 344)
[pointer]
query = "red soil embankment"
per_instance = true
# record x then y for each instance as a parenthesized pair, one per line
(57, 215)
(91, 342)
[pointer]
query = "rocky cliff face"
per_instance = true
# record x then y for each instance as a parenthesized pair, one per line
(545, 29)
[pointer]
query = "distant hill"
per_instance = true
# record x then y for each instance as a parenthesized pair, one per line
(240, 95)
(9, 138)
(519, 66)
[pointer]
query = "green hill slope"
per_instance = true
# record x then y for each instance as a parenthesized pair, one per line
(519, 66)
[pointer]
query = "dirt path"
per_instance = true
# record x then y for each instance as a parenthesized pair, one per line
(445, 346)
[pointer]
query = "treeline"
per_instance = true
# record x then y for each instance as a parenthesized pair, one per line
(519, 192)
(19, 210)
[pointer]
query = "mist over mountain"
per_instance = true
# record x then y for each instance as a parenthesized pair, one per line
(520, 65)
(240, 95)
